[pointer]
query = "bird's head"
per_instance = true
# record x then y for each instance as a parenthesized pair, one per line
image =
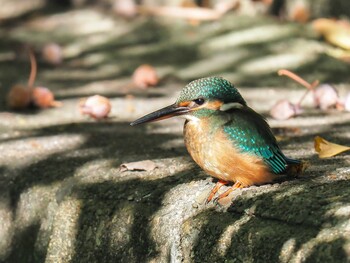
(200, 98)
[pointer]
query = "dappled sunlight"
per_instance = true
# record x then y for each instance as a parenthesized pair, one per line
(11, 8)
(35, 148)
(32, 204)
(7, 56)
(110, 87)
(119, 228)
(213, 64)
(292, 190)
(340, 212)
(287, 250)
(320, 119)
(176, 211)
(143, 49)
(254, 35)
(102, 72)
(94, 41)
(90, 60)
(64, 196)
(6, 226)
(108, 169)
(225, 240)
(254, 221)
(61, 247)
(80, 22)
(324, 239)
(272, 63)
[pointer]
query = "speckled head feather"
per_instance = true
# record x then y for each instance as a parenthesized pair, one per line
(212, 88)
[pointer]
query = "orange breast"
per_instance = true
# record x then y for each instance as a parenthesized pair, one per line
(216, 155)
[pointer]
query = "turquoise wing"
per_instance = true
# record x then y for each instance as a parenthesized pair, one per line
(251, 134)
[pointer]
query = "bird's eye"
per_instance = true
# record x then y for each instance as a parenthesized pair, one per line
(199, 101)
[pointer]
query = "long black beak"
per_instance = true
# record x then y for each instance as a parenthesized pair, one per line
(165, 113)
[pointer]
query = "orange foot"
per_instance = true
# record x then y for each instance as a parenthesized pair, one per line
(228, 191)
(215, 189)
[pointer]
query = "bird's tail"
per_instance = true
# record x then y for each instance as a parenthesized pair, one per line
(296, 167)
(292, 161)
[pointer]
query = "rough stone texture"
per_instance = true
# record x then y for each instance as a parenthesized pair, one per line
(63, 197)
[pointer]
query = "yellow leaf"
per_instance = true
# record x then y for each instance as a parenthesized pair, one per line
(339, 54)
(336, 32)
(327, 149)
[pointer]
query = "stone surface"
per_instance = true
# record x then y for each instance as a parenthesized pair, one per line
(63, 197)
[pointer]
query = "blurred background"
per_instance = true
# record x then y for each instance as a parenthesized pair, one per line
(83, 44)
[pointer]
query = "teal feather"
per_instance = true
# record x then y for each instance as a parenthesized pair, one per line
(250, 133)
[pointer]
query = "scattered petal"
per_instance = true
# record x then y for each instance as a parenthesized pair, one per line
(325, 97)
(284, 110)
(52, 53)
(43, 98)
(145, 76)
(326, 149)
(146, 165)
(97, 107)
(300, 13)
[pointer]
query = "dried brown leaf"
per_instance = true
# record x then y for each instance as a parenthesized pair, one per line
(327, 149)
(146, 165)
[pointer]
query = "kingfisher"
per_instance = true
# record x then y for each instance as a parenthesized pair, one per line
(224, 136)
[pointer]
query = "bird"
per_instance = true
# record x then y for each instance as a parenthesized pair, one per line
(225, 137)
